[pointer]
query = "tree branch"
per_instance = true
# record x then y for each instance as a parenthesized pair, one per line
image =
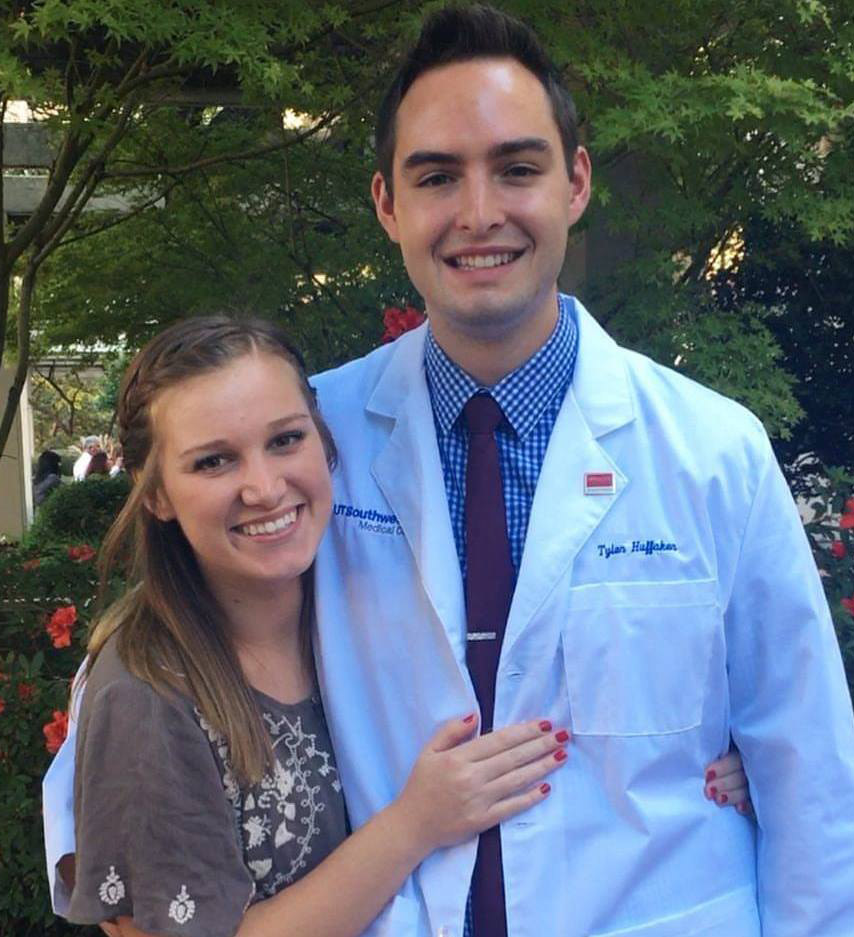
(48, 379)
(120, 219)
(73, 147)
(143, 172)
(97, 81)
(68, 219)
(79, 197)
(69, 155)
(156, 73)
(3, 102)
(5, 279)
(71, 73)
(27, 287)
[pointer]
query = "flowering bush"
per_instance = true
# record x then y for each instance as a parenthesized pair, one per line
(47, 594)
(55, 731)
(397, 321)
(831, 535)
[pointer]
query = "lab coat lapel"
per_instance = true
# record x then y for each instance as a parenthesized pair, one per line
(409, 473)
(563, 516)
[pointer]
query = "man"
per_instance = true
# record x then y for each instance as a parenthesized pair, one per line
(639, 534)
(651, 608)
(91, 445)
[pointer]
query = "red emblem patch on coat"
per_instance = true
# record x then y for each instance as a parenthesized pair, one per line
(599, 483)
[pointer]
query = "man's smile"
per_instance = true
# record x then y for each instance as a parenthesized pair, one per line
(479, 260)
(488, 259)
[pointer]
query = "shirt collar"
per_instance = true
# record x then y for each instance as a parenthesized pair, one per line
(522, 394)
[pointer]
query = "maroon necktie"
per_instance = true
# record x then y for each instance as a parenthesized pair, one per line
(489, 589)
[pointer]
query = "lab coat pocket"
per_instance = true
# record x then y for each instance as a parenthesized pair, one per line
(727, 916)
(637, 655)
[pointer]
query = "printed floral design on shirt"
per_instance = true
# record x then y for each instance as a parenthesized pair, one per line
(112, 889)
(281, 811)
(183, 907)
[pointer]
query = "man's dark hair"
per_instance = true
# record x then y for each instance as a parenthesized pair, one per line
(458, 34)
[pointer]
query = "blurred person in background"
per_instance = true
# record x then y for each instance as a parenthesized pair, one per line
(98, 464)
(117, 461)
(47, 475)
(91, 445)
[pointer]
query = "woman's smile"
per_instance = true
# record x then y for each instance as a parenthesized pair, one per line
(270, 528)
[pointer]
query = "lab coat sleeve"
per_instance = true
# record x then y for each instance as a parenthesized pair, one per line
(791, 718)
(58, 803)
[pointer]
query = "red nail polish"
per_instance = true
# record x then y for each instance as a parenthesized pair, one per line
(545, 788)
(469, 719)
(713, 791)
(545, 726)
(711, 775)
(724, 799)
(562, 736)
(560, 755)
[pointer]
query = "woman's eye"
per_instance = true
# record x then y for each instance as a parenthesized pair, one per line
(287, 440)
(209, 463)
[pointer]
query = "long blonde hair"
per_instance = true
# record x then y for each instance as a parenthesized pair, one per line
(170, 630)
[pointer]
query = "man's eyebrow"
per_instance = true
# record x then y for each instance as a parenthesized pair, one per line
(421, 157)
(507, 148)
(511, 147)
(281, 423)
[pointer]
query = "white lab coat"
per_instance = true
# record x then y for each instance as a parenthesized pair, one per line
(715, 625)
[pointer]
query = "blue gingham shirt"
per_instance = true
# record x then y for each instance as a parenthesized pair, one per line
(530, 398)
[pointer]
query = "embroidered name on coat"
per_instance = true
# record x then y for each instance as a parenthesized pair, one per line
(644, 547)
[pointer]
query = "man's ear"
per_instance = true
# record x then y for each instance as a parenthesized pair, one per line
(582, 173)
(384, 204)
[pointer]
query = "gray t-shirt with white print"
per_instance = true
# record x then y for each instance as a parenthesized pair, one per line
(164, 833)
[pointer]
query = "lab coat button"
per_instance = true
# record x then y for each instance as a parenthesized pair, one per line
(444, 932)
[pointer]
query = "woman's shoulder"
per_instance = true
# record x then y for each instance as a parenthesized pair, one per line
(109, 672)
(111, 684)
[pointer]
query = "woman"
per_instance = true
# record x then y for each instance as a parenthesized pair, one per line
(206, 795)
(98, 465)
(205, 779)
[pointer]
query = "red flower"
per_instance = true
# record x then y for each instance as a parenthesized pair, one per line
(26, 691)
(849, 604)
(81, 554)
(837, 549)
(34, 563)
(55, 731)
(846, 522)
(397, 321)
(59, 625)
(849, 506)
(2, 706)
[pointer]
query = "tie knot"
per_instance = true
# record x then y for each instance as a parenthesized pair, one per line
(482, 414)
